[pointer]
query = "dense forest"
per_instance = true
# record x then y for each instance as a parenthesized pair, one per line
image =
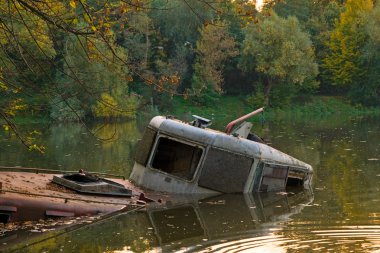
(86, 59)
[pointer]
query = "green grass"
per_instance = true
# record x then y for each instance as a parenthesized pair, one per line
(31, 119)
(324, 107)
(224, 108)
(228, 108)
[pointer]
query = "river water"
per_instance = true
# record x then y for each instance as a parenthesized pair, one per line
(340, 213)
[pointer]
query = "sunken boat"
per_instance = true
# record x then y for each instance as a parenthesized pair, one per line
(179, 157)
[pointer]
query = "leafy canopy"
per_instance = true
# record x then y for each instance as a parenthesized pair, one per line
(279, 51)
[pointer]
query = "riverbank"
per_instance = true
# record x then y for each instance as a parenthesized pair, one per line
(229, 107)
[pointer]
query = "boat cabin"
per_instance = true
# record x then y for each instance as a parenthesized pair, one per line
(178, 157)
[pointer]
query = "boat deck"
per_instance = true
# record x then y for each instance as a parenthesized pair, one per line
(31, 196)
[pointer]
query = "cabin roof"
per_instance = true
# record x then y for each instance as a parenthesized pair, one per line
(223, 141)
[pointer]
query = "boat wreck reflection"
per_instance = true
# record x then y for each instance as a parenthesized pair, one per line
(194, 223)
(223, 217)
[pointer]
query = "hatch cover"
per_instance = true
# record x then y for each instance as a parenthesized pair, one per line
(91, 184)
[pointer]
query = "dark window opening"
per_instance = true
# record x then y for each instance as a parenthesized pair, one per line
(294, 182)
(296, 177)
(176, 158)
(4, 217)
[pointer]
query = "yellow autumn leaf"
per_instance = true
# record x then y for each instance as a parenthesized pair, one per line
(87, 18)
(73, 4)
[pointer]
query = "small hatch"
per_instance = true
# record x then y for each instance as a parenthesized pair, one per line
(91, 184)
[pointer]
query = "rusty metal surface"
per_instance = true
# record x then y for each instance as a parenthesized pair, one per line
(8, 208)
(39, 187)
(86, 183)
(231, 125)
(51, 171)
(54, 213)
(225, 172)
(28, 208)
(182, 130)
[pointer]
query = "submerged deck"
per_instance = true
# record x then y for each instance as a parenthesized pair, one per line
(30, 196)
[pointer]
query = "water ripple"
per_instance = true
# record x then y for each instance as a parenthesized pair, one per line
(329, 239)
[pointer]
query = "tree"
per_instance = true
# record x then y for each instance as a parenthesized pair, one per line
(70, 56)
(101, 84)
(318, 19)
(342, 65)
(367, 90)
(280, 52)
(178, 23)
(36, 57)
(298, 8)
(213, 49)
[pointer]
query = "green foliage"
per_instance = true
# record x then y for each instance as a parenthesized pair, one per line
(208, 96)
(280, 51)
(230, 107)
(107, 107)
(179, 21)
(178, 25)
(102, 79)
(318, 18)
(282, 95)
(342, 65)
(322, 107)
(366, 91)
(66, 110)
(214, 48)
(79, 60)
(299, 8)
(256, 99)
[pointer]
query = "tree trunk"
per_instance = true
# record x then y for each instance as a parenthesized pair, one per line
(267, 88)
(147, 43)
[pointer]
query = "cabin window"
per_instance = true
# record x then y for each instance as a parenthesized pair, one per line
(145, 146)
(274, 177)
(176, 158)
(296, 177)
(293, 182)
